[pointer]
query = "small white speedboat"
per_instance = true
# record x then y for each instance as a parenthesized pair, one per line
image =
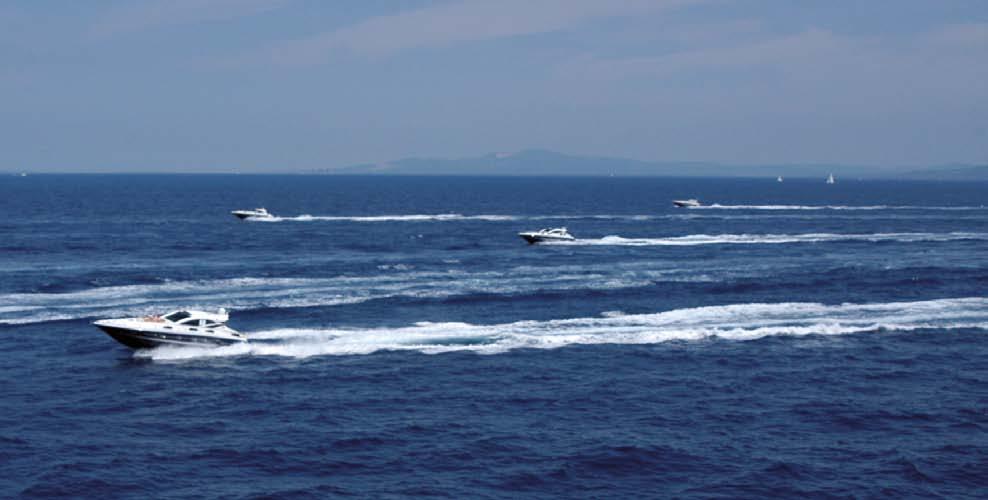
(544, 235)
(183, 327)
(690, 203)
(257, 213)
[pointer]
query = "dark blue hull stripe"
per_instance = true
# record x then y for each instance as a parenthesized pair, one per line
(143, 340)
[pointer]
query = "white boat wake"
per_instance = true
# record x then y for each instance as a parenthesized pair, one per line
(738, 322)
(255, 293)
(766, 239)
(390, 218)
(717, 206)
(455, 217)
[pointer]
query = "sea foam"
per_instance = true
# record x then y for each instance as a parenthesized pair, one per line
(764, 239)
(736, 322)
(255, 293)
(717, 206)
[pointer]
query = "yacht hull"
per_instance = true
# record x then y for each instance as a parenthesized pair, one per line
(243, 216)
(535, 238)
(143, 339)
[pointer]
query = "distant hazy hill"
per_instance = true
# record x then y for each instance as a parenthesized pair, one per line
(548, 163)
(952, 172)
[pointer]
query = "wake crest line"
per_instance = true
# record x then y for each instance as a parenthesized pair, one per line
(456, 217)
(765, 239)
(400, 281)
(389, 218)
(736, 322)
(717, 206)
(258, 293)
(452, 217)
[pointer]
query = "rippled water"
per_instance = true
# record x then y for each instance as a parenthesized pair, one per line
(787, 339)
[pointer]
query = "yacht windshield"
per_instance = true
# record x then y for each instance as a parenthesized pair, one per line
(177, 316)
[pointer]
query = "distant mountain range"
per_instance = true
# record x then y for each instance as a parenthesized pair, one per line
(536, 162)
(951, 172)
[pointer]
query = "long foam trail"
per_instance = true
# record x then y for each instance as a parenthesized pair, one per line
(764, 239)
(716, 206)
(400, 280)
(455, 217)
(254, 293)
(391, 218)
(732, 322)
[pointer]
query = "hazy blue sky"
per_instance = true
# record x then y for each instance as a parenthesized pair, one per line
(292, 84)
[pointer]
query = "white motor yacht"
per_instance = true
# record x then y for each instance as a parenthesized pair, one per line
(543, 235)
(257, 213)
(183, 327)
(690, 203)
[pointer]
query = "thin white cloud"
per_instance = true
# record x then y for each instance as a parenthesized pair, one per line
(149, 14)
(972, 34)
(711, 33)
(762, 53)
(817, 92)
(812, 52)
(465, 21)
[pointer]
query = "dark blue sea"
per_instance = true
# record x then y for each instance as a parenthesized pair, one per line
(789, 339)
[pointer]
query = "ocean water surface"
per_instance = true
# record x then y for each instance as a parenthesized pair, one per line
(789, 339)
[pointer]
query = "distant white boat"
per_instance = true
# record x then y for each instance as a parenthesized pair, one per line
(257, 213)
(557, 234)
(830, 179)
(779, 179)
(690, 203)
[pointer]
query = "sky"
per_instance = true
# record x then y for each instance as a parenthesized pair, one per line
(289, 85)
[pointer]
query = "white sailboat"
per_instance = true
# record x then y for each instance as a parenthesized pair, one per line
(830, 179)
(779, 179)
